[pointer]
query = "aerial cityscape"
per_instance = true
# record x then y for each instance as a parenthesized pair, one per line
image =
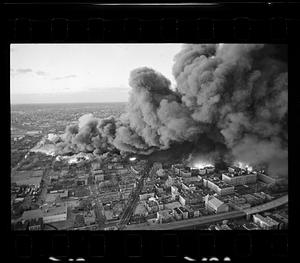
(203, 146)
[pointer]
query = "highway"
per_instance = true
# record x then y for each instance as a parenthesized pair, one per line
(267, 206)
(210, 219)
(190, 222)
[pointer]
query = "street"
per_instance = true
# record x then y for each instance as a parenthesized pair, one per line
(133, 199)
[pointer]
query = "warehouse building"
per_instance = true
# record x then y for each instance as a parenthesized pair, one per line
(214, 204)
(265, 178)
(265, 222)
(219, 186)
(55, 214)
(190, 198)
(239, 179)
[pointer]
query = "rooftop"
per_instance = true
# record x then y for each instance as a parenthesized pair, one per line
(31, 214)
(27, 177)
(164, 213)
(239, 174)
(56, 210)
(221, 184)
(183, 209)
(215, 201)
(267, 220)
(52, 197)
(191, 195)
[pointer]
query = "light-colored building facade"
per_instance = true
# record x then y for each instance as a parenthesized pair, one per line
(217, 185)
(214, 204)
(146, 196)
(265, 222)
(233, 179)
(164, 216)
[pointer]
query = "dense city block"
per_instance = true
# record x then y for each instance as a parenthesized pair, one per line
(113, 191)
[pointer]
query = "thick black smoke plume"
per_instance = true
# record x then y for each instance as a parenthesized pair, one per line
(233, 95)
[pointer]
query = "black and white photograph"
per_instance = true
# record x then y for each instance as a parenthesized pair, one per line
(149, 136)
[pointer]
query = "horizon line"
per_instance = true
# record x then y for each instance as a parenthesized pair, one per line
(67, 102)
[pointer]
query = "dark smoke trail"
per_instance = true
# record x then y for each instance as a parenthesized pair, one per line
(230, 101)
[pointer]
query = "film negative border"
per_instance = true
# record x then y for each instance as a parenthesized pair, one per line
(178, 246)
(61, 30)
(147, 246)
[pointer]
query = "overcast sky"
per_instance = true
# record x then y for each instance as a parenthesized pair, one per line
(53, 73)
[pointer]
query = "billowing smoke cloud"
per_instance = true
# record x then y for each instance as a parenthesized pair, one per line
(243, 91)
(229, 100)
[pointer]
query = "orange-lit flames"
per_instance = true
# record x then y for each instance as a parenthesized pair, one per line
(201, 164)
(243, 166)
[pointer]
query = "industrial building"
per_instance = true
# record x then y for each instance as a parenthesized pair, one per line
(32, 214)
(265, 178)
(181, 170)
(58, 194)
(219, 186)
(55, 214)
(265, 222)
(49, 214)
(239, 179)
(190, 198)
(33, 178)
(214, 204)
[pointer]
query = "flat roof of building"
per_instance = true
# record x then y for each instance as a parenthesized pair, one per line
(215, 201)
(56, 210)
(51, 197)
(191, 195)
(27, 177)
(221, 184)
(28, 181)
(267, 219)
(31, 214)
(234, 175)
